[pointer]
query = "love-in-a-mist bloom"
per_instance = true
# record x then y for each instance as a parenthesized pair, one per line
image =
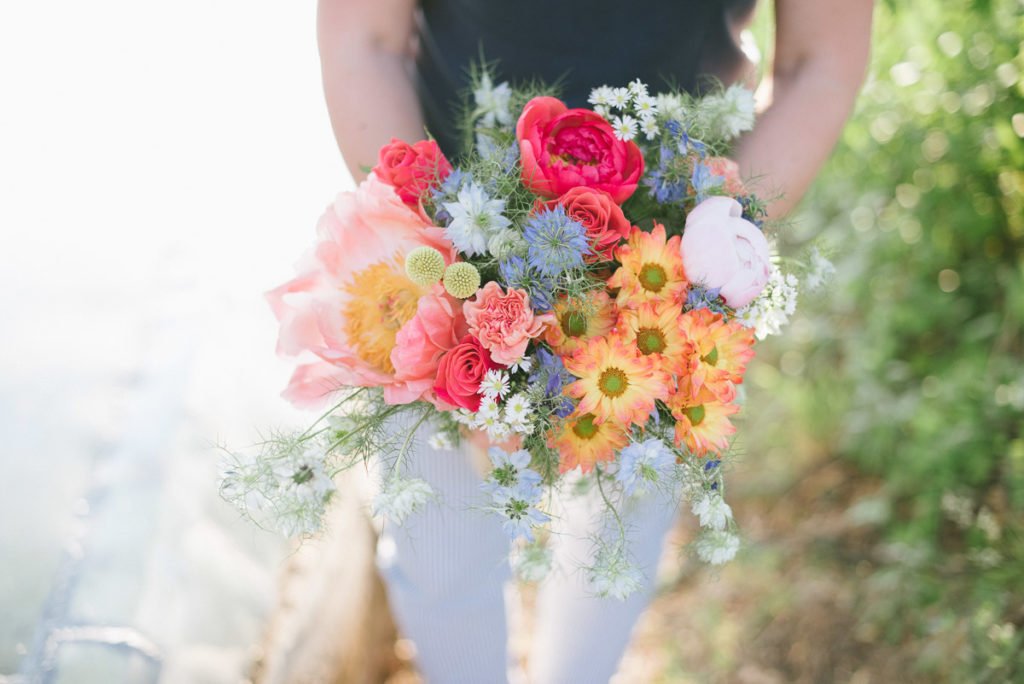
(615, 383)
(354, 295)
(651, 269)
(720, 351)
(580, 319)
(653, 330)
(702, 418)
(582, 442)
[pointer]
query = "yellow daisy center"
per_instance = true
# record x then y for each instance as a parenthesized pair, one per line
(711, 358)
(613, 382)
(652, 277)
(574, 323)
(584, 427)
(650, 341)
(695, 414)
(382, 300)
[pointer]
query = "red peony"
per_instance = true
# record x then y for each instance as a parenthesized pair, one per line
(602, 218)
(461, 371)
(562, 148)
(411, 169)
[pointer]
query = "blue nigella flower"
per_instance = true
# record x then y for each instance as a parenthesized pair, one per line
(517, 273)
(705, 298)
(556, 242)
(704, 181)
(711, 465)
(664, 190)
(641, 462)
(551, 372)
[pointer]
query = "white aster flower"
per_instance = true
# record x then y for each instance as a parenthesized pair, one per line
(613, 574)
(602, 111)
(524, 365)
(497, 430)
(717, 547)
(475, 218)
(712, 511)
(646, 107)
(773, 307)
(401, 497)
(624, 127)
(601, 96)
(517, 408)
(489, 408)
(492, 102)
(638, 89)
(494, 385)
(464, 417)
(619, 98)
(649, 127)
(440, 441)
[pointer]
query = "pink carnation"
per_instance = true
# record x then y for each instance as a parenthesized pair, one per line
(504, 323)
(722, 250)
(436, 329)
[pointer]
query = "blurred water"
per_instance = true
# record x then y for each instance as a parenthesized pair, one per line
(160, 167)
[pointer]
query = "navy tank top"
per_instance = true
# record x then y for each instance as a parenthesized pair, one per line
(580, 45)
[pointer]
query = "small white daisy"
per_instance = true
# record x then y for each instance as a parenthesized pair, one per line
(624, 127)
(600, 96)
(524, 365)
(488, 409)
(619, 98)
(498, 431)
(649, 127)
(494, 384)
(517, 408)
(638, 89)
(602, 110)
(440, 441)
(645, 106)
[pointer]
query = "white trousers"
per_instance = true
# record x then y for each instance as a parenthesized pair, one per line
(445, 569)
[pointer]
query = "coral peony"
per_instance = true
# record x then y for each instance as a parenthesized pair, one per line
(353, 295)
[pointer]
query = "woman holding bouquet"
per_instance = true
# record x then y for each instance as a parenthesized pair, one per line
(393, 69)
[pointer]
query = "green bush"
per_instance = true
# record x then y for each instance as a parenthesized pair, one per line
(912, 370)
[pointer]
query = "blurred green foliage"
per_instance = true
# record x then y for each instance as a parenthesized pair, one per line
(912, 368)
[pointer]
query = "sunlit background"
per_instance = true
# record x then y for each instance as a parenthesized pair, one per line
(162, 165)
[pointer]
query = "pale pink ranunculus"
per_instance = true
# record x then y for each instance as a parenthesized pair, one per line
(436, 329)
(341, 315)
(722, 250)
(504, 322)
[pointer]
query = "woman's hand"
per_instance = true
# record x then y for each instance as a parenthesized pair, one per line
(821, 52)
(365, 47)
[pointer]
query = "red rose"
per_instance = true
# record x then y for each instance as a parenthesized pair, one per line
(602, 218)
(411, 169)
(561, 148)
(461, 371)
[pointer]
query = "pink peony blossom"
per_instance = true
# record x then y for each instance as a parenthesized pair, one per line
(436, 329)
(342, 314)
(504, 323)
(723, 251)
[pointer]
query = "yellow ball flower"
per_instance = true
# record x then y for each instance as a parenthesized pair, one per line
(461, 280)
(424, 266)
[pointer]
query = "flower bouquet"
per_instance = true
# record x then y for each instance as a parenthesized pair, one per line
(582, 291)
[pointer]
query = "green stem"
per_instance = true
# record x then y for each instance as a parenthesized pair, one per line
(608, 503)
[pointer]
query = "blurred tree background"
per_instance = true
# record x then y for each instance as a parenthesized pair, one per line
(882, 488)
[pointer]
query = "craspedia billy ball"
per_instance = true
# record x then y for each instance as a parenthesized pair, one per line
(424, 266)
(461, 280)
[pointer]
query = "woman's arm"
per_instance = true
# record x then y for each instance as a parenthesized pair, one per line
(821, 52)
(364, 49)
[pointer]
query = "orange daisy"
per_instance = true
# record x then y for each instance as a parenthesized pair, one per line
(653, 330)
(720, 350)
(702, 418)
(615, 382)
(581, 441)
(651, 269)
(579, 320)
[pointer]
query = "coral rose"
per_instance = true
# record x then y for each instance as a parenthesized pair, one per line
(602, 218)
(460, 373)
(723, 251)
(562, 148)
(411, 170)
(436, 329)
(504, 323)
